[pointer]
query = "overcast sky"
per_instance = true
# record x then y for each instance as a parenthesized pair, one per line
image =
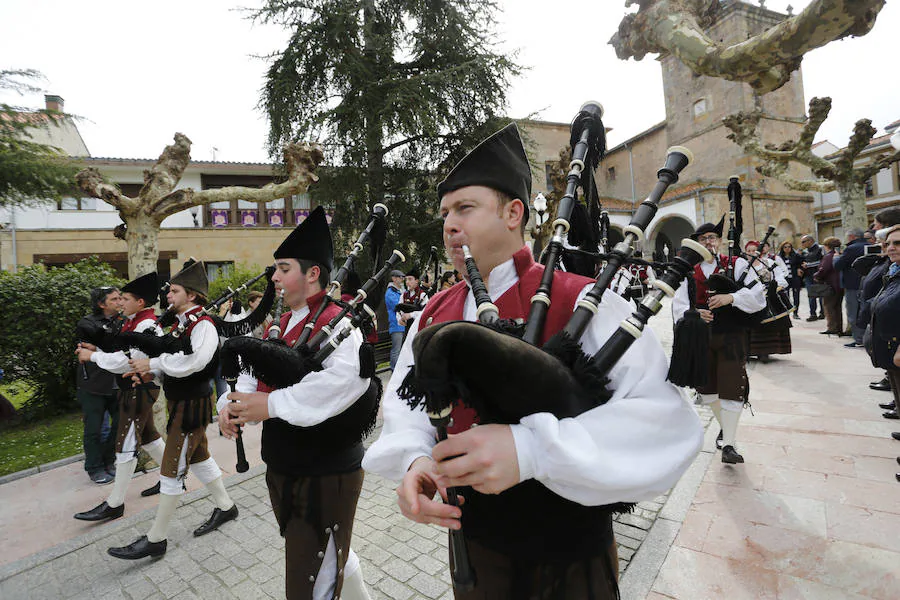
(139, 72)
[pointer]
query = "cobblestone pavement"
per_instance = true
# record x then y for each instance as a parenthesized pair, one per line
(245, 558)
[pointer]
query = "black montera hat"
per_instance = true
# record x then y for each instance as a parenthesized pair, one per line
(499, 162)
(310, 240)
(145, 286)
(192, 277)
(709, 228)
(414, 272)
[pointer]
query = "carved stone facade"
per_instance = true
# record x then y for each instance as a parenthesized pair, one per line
(695, 106)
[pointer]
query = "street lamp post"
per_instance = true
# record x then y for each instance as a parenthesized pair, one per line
(540, 207)
(194, 211)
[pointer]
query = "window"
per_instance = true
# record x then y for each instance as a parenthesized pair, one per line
(548, 174)
(870, 188)
(700, 107)
(611, 174)
(214, 270)
(77, 204)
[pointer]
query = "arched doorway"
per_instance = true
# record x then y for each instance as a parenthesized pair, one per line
(784, 232)
(667, 237)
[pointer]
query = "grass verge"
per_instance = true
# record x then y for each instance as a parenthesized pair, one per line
(34, 444)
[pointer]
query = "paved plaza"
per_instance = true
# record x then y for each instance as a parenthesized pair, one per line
(812, 514)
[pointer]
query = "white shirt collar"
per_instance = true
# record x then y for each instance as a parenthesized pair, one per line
(501, 278)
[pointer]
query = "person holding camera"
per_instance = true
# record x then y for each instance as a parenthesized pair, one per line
(812, 259)
(850, 280)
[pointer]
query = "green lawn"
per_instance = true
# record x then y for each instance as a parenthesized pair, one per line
(29, 445)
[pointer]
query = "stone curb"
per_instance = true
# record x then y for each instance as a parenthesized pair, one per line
(69, 546)
(646, 563)
(52, 465)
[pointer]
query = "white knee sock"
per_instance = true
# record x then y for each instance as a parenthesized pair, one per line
(354, 587)
(124, 471)
(730, 420)
(164, 513)
(712, 401)
(155, 449)
(217, 490)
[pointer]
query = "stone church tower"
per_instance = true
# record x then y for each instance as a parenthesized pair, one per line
(695, 107)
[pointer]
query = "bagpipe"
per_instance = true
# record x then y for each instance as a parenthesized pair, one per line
(778, 301)
(459, 361)
(175, 341)
(278, 365)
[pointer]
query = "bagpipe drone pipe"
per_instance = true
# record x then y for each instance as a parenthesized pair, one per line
(278, 365)
(175, 341)
(460, 361)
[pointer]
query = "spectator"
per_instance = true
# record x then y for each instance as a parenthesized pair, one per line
(447, 280)
(850, 281)
(885, 325)
(97, 392)
(871, 284)
(414, 296)
(834, 317)
(812, 257)
(391, 299)
(792, 261)
(253, 300)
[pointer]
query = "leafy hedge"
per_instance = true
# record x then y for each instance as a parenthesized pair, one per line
(37, 340)
(240, 274)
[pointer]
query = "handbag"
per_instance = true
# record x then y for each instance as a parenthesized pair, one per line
(819, 290)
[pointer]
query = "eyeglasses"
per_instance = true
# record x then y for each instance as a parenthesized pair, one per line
(708, 238)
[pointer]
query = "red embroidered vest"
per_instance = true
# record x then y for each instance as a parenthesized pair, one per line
(132, 323)
(700, 279)
(291, 337)
(513, 304)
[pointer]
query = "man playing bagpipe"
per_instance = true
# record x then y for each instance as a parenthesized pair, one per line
(135, 428)
(414, 299)
(313, 471)
(632, 447)
(186, 382)
(727, 314)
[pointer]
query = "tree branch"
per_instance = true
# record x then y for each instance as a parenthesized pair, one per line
(765, 61)
(301, 161)
(165, 174)
(91, 183)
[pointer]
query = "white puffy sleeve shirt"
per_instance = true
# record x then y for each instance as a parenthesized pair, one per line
(320, 395)
(117, 362)
(632, 448)
(204, 343)
(750, 299)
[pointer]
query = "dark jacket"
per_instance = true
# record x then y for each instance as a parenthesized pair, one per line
(98, 381)
(850, 279)
(871, 285)
(827, 273)
(812, 256)
(885, 329)
(793, 260)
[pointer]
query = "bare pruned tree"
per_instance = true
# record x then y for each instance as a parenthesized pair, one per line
(837, 173)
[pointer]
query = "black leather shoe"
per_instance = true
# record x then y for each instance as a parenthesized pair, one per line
(882, 386)
(811, 318)
(139, 549)
(730, 456)
(151, 491)
(897, 475)
(101, 513)
(101, 477)
(891, 414)
(826, 332)
(896, 435)
(719, 440)
(218, 517)
(887, 406)
(898, 460)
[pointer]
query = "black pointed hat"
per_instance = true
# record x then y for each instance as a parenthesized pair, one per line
(499, 162)
(414, 272)
(709, 228)
(145, 286)
(192, 277)
(310, 240)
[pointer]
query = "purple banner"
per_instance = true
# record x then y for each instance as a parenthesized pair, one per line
(249, 218)
(275, 217)
(218, 217)
(300, 215)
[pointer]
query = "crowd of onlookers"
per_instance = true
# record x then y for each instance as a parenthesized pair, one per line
(865, 276)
